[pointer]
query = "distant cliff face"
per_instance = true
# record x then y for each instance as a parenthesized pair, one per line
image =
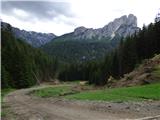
(123, 26)
(36, 39)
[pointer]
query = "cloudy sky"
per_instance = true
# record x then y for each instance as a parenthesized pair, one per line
(63, 16)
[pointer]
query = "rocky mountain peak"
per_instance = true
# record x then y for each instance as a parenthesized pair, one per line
(132, 20)
(123, 26)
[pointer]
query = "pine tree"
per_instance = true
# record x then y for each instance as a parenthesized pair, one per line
(5, 78)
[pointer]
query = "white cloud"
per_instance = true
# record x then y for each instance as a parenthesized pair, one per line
(88, 13)
(96, 13)
(57, 28)
(20, 13)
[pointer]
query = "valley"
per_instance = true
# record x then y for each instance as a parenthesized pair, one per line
(110, 71)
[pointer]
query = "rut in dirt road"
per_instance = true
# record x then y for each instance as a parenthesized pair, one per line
(26, 107)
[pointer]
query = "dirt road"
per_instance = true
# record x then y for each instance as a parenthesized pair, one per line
(27, 107)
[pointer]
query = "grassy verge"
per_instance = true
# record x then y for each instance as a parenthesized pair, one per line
(137, 93)
(53, 91)
(3, 93)
(156, 71)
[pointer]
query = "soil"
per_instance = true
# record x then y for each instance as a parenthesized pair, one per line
(23, 106)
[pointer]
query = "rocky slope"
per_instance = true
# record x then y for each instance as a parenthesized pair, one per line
(123, 26)
(36, 39)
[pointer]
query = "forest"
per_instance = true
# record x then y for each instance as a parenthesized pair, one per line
(22, 65)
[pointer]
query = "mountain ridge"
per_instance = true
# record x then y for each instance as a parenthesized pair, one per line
(83, 43)
(36, 39)
(110, 30)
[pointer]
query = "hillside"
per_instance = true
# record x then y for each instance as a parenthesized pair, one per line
(148, 72)
(73, 51)
(22, 65)
(85, 44)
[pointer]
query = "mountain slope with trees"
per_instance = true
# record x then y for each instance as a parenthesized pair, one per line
(85, 44)
(23, 65)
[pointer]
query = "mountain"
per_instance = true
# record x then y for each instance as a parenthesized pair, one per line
(85, 44)
(35, 39)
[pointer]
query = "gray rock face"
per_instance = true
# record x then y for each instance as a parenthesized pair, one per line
(34, 38)
(123, 26)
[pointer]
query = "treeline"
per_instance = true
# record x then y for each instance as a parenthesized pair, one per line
(22, 65)
(131, 51)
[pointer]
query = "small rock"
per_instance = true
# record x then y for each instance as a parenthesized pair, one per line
(109, 106)
(127, 107)
(138, 109)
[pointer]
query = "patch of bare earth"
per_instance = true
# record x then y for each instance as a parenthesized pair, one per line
(26, 107)
(140, 76)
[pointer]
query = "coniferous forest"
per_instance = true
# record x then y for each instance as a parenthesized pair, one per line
(24, 66)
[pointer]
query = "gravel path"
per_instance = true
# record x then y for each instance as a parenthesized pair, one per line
(27, 107)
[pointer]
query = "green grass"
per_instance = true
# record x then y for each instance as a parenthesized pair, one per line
(121, 94)
(137, 93)
(156, 71)
(53, 91)
(4, 92)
